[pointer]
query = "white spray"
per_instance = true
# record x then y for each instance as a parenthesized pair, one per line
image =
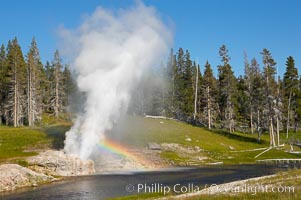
(113, 50)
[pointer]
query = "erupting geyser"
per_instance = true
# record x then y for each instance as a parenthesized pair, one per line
(113, 50)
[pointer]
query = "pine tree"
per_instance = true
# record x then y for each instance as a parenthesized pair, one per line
(227, 89)
(56, 84)
(256, 95)
(298, 106)
(15, 103)
(2, 80)
(179, 85)
(209, 90)
(270, 85)
(163, 89)
(69, 86)
(197, 92)
(243, 104)
(290, 84)
(47, 85)
(278, 109)
(200, 94)
(248, 79)
(188, 97)
(171, 73)
(34, 80)
(253, 91)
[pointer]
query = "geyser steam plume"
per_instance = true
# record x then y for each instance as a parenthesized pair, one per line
(113, 50)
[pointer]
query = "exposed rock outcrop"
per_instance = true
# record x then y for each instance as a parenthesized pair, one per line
(14, 176)
(57, 163)
(154, 146)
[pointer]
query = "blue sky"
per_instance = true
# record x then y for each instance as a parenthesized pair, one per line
(201, 26)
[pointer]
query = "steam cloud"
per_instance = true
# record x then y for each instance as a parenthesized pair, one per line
(113, 50)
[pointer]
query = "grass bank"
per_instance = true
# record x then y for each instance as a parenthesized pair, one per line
(215, 146)
(212, 146)
(18, 143)
(283, 186)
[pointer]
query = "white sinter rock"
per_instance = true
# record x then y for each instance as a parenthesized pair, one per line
(14, 176)
(58, 163)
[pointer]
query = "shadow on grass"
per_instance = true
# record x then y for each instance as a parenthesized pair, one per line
(57, 134)
(238, 137)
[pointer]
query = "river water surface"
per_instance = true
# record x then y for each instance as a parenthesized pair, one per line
(104, 186)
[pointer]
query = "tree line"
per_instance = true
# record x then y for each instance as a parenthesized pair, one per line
(28, 88)
(257, 101)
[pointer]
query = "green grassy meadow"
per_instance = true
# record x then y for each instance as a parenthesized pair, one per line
(216, 146)
(17, 143)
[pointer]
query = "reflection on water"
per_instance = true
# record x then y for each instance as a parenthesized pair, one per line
(114, 184)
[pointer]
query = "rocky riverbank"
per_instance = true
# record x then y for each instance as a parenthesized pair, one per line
(13, 176)
(43, 168)
(57, 163)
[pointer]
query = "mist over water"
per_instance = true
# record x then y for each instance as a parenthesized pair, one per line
(112, 52)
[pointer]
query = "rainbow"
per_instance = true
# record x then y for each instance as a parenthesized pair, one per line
(115, 148)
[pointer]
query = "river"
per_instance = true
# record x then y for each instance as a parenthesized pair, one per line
(104, 186)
